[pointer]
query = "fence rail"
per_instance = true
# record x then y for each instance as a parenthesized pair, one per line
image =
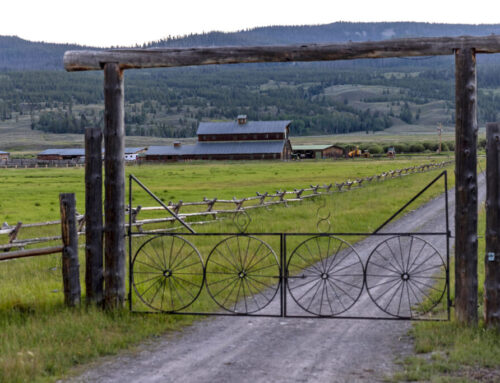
(236, 205)
(267, 199)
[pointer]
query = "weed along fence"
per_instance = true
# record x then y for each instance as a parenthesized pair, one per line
(114, 62)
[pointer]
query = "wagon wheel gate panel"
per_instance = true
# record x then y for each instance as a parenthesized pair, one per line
(376, 275)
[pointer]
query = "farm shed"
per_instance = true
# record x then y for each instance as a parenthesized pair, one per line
(317, 151)
(132, 153)
(61, 154)
(243, 150)
(79, 154)
(234, 140)
(4, 156)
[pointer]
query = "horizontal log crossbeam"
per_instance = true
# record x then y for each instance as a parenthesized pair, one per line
(85, 60)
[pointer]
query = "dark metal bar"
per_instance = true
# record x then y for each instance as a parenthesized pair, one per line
(409, 202)
(466, 205)
(162, 204)
(130, 271)
(242, 315)
(448, 236)
(282, 279)
(285, 274)
(289, 234)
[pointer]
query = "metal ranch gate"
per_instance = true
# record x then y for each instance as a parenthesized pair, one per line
(386, 275)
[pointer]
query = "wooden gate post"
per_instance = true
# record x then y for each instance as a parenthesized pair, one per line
(492, 256)
(70, 264)
(114, 184)
(93, 216)
(466, 187)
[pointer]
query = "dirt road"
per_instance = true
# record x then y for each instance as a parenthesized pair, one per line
(245, 349)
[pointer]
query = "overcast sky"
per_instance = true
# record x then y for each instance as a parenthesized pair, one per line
(127, 22)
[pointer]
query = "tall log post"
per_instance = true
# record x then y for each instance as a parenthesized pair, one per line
(114, 203)
(94, 279)
(466, 187)
(70, 263)
(492, 256)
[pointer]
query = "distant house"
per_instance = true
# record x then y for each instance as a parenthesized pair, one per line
(4, 156)
(317, 151)
(234, 140)
(132, 153)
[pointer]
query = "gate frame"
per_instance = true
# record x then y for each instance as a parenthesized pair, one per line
(464, 48)
(283, 261)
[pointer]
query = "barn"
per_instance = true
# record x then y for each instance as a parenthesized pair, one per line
(317, 151)
(4, 156)
(235, 140)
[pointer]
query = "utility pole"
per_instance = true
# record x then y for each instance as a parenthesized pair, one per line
(440, 131)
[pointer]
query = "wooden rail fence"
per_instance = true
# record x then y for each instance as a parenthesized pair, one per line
(260, 200)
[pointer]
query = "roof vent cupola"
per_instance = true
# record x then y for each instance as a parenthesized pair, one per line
(242, 119)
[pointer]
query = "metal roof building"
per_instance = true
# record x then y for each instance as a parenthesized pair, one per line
(317, 151)
(77, 153)
(249, 127)
(233, 140)
(214, 148)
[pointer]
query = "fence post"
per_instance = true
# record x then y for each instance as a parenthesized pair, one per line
(93, 216)
(114, 184)
(492, 255)
(466, 187)
(70, 263)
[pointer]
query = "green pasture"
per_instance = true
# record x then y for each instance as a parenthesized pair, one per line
(42, 340)
(450, 352)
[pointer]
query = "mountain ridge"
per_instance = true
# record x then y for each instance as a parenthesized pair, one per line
(20, 54)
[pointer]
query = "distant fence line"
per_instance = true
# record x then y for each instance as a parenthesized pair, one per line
(260, 200)
(33, 163)
(265, 199)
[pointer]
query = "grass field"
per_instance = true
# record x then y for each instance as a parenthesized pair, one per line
(42, 340)
(449, 352)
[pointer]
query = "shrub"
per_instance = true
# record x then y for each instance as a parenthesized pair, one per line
(432, 146)
(375, 149)
(401, 148)
(416, 148)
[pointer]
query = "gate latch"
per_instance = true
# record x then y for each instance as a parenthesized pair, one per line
(491, 257)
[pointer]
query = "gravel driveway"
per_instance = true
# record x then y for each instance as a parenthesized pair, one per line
(251, 349)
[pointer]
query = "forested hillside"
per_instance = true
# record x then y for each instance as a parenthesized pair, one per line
(320, 98)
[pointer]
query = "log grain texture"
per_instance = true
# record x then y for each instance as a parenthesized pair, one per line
(114, 185)
(492, 255)
(94, 278)
(466, 302)
(84, 60)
